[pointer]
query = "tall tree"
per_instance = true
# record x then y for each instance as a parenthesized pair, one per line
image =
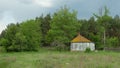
(91, 30)
(9, 35)
(104, 20)
(22, 37)
(31, 30)
(45, 26)
(64, 26)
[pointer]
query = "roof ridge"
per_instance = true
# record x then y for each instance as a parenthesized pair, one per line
(80, 38)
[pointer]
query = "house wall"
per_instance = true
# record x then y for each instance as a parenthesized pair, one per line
(82, 46)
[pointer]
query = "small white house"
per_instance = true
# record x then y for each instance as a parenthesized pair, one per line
(80, 43)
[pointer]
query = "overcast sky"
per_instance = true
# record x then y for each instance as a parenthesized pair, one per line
(12, 11)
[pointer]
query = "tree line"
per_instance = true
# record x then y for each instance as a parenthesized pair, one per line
(59, 29)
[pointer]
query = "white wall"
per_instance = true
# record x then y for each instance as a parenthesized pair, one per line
(82, 46)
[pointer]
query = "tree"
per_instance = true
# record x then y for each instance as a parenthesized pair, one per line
(3, 42)
(91, 30)
(104, 20)
(19, 43)
(22, 37)
(45, 26)
(64, 26)
(112, 42)
(31, 30)
(9, 35)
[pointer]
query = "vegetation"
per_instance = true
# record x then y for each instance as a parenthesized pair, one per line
(88, 50)
(55, 32)
(56, 59)
(64, 26)
(59, 29)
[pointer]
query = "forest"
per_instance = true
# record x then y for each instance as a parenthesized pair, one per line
(58, 29)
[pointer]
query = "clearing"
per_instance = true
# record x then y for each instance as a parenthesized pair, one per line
(55, 59)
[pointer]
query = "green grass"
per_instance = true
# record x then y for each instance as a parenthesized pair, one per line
(54, 59)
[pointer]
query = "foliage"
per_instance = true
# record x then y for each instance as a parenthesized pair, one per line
(22, 37)
(59, 29)
(45, 26)
(64, 26)
(2, 49)
(32, 33)
(88, 50)
(112, 42)
(3, 42)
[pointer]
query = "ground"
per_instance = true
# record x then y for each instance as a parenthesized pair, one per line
(56, 59)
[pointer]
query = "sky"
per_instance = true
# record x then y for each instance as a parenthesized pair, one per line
(13, 11)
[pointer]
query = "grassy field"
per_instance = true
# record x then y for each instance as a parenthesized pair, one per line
(54, 59)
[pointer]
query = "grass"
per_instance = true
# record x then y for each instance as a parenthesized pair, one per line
(55, 59)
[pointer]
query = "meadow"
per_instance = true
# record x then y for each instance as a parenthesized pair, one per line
(56, 59)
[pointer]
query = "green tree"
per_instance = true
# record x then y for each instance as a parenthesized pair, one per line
(112, 42)
(104, 20)
(19, 43)
(25, 36)
(91, 30)
(45, 26)
(31, 30)
(9, 34)
(3, 42)
(64, 26)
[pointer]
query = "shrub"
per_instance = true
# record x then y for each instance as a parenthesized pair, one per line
(61, 47)
(2, 49)
(88, 50)
(112, 42)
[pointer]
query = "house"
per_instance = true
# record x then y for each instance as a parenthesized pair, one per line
(80, 43)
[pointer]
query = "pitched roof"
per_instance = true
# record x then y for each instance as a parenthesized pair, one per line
(80, 38)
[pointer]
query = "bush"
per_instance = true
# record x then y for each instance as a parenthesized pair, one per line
(61, 48)
(88, 50)
(112, 42)
(2, 49)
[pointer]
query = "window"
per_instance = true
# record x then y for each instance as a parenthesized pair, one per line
(80, 47)
(72, 46)
(75, 46)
